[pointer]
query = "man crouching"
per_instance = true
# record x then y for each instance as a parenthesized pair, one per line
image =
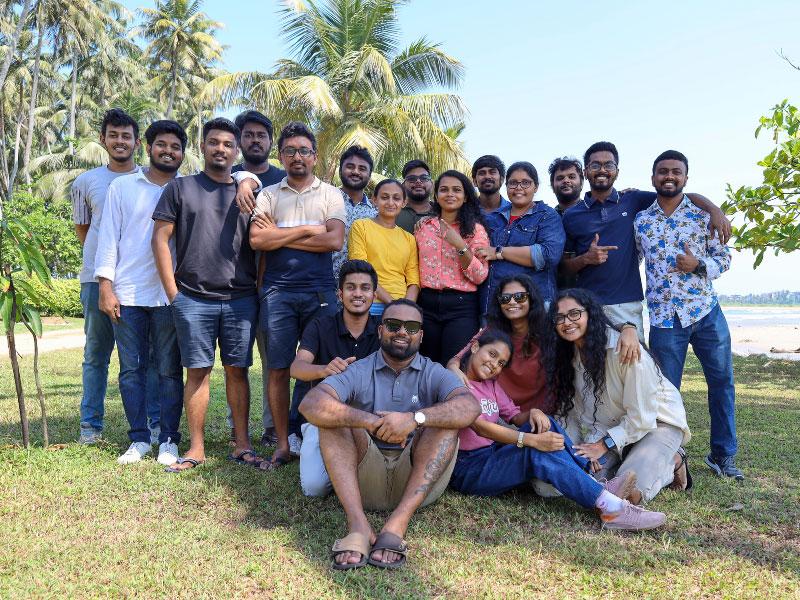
(388, 431)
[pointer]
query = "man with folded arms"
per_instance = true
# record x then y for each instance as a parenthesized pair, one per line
(388, 431)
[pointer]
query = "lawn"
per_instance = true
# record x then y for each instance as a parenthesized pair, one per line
(76, 524)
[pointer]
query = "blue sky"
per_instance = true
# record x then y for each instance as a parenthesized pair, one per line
(548, 79)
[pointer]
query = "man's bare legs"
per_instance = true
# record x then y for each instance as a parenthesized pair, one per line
(195, 401)
(237, 392)
(279, 405)
(431, 454)
(342, 450)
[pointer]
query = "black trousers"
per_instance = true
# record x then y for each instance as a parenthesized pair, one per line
(450, 319)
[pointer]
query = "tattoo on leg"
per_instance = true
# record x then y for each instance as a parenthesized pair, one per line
(436, 466)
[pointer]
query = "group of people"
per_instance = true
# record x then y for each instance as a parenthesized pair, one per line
(438, 333)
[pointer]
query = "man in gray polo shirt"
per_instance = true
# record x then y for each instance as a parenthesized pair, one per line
(388, 434)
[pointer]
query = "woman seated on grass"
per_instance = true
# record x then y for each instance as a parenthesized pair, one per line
(387, 247)
(493, 459)
(626, 418)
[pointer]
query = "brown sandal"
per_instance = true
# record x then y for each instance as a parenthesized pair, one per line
(353, 542)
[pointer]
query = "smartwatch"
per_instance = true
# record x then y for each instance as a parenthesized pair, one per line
(499, 251)
(419, 418)
(609, 442)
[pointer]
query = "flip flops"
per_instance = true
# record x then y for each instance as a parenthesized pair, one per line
(354, 542)
(184, 460)
(392, 543)
(239, 458)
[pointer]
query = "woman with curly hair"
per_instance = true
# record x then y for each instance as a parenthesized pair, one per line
(493, 458)
(624, 418)
(449, 269)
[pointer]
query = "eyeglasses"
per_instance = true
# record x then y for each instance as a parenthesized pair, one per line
(518, 297)
(394, 325)
(523, 185)
(290, 151)
(573, 315)
(596, 166)
(416, 178)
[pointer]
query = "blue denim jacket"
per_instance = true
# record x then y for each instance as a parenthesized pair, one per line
(540, 229)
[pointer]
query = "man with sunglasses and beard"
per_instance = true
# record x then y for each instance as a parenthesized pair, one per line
(418, 184)
(388, 429)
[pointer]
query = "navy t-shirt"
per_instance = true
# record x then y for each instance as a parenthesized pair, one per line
(617, 280)
(214, 259)
(271, 176)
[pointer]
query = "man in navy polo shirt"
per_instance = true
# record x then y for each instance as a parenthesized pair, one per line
(600, 234)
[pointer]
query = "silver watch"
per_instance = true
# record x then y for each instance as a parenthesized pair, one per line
(419, 418)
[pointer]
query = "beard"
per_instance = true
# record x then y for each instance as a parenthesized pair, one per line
(354, 184)
(257, 157)
(669, 193)
(399, 353)
(164, 167)
(567, 198)
(489, 188)
(418, 196)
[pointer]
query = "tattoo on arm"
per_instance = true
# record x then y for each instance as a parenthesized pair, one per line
(437, 465)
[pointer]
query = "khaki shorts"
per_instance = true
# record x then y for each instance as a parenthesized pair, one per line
(383, 476)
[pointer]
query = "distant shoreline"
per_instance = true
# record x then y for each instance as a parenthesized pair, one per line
(730, 305)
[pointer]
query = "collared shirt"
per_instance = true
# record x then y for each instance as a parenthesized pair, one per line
(300, 270)
(328, 338)
(363, 209)
(660, 238)
(565, 280)
(439, 267)
(636, 397)
(540, 229)
(504, 203)
(617, 280)
(124, 255)
(371, 385)
(88, 195)
(408, 217)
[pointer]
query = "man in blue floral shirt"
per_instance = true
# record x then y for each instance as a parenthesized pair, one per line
(681, 259)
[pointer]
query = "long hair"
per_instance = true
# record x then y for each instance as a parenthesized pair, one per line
(489, 336)
(537, 317)
(559, 353)
(470, 211)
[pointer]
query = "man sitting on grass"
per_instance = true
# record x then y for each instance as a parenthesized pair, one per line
(388, 431)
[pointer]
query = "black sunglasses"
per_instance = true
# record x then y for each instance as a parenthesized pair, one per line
(394, 325)
(519, 297)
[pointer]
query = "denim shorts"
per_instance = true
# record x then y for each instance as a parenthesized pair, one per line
(284, 316)
(200, 322)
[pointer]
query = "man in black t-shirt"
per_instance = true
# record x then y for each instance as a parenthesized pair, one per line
(212, 288)
(328, 346)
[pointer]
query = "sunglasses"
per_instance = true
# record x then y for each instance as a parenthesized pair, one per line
(573, 315)
(518, 297)
(394, 325)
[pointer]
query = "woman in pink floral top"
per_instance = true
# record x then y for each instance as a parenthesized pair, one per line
(449, 270)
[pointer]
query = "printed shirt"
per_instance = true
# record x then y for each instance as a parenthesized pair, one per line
(672, 293)
(495, 404)
(364, 209)
(439, 268)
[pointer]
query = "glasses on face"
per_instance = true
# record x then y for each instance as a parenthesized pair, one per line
(523, 185)
(573, 315)
(596, 166)
(416, 178)
(304, 152)
(394, 325)
(518, 297)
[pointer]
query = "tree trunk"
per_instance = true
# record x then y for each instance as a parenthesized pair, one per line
(73, 102)
(3, 161)
(32, 106)
(173, 76)
(12, 354)
(37, 379)
(17, 138)
(12, 46)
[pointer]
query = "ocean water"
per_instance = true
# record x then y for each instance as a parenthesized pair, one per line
(758, 316)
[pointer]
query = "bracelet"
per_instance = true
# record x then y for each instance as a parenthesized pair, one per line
(520, 438)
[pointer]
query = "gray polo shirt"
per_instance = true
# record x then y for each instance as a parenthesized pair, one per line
(371, 385)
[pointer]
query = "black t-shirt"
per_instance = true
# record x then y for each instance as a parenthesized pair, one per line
(214, 259)
(328, 337)
(272, 176)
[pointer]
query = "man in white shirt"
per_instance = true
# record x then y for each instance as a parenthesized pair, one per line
(132, 296)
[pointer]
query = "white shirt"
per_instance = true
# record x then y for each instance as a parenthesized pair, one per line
(636, 397)
(124, 254)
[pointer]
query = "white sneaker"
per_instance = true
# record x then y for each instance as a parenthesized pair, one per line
(295, 441)
(168, 453)
(134, 453)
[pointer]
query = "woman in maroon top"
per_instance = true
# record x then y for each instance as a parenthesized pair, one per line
(518, 310)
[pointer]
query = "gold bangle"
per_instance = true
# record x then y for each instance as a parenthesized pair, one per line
(520, 439)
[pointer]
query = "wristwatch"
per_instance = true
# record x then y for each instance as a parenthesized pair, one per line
(419, 418)
(628, 324)
(499, 252)
(700, 269)
(520, 439)
(609, 442)
(463, 251)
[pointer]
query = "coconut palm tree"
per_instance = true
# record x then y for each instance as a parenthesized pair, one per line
(349, 80)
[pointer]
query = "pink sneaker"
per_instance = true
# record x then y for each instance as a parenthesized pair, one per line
(623, 486)
(633, 518)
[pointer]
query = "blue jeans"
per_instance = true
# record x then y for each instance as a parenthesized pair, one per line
(96, 355)
(711, 342)
(141, 331)
(498, 468)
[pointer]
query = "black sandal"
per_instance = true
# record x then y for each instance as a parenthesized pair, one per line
(684, 463)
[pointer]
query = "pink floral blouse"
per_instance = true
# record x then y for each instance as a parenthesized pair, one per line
(439, 268)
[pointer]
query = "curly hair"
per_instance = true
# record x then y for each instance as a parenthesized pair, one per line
(559, 354)
(470, 211)
(537, 317)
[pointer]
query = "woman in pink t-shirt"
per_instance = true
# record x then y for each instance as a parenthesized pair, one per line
(493, 458)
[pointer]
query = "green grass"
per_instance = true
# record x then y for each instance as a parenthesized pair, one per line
(76, 524)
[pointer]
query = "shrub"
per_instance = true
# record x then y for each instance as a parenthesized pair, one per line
(63, 299)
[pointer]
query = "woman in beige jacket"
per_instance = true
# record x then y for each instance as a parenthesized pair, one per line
(622, 417)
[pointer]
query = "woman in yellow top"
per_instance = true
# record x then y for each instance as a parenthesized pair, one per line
(387, 247)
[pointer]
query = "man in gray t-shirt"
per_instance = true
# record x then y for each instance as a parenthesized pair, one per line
(388, 431)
